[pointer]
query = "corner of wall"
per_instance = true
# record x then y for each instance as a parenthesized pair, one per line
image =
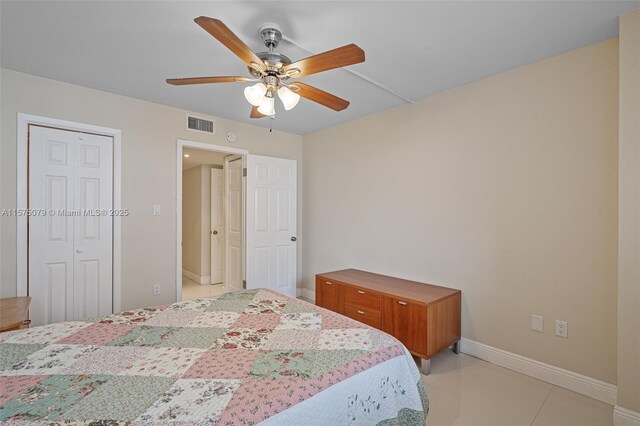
(628, 223)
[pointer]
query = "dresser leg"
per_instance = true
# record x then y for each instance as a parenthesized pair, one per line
(456, 347)
(425, 366)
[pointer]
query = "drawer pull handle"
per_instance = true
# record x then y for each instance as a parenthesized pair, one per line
(361, 312)
(402, 303)
(360, 292)
(327, 283)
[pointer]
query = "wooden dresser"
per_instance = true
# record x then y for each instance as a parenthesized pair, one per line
(424, 317)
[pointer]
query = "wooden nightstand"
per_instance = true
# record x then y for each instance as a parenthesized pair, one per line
(13, 312)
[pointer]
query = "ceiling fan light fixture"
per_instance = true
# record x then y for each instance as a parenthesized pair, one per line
(289, 99)
(255, 94)
(267, 106)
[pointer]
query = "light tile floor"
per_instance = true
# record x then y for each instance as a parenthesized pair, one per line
(467, 391)
(193, 290)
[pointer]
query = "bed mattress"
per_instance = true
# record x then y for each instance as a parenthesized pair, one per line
(250, 357)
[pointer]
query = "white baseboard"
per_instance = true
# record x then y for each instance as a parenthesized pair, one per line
(576, 382)
(625, 417)
(196, 278)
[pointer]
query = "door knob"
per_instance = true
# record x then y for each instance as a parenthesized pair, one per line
(215, 232)
(79, 250)
(294, 239)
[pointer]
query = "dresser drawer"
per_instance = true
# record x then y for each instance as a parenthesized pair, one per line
(362, 298)
(328, 294)
(368, 317)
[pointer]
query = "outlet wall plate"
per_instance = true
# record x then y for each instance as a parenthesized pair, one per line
(562, 329)
(156, 289)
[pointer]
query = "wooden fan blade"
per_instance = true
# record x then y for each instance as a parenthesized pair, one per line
(224, 35)
(319, 96)
(255, 113)
(336, 58)
(205, 80)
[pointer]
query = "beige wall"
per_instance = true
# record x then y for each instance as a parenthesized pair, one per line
(505, 188)
(149, 133)
(192, 220)
(629, 216)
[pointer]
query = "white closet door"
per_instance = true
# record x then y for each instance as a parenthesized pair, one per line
(233, 197)
(70, 247)
(271, 223)
(217, 226)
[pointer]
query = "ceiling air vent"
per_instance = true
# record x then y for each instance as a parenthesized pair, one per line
(200, 124)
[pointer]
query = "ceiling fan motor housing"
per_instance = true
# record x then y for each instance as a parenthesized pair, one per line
(274, 62)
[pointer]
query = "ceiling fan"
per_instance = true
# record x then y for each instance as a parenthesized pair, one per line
(272, 70)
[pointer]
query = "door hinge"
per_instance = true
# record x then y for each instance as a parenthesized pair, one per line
(244, 172)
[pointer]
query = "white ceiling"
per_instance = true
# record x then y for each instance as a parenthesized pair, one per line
(414, 48)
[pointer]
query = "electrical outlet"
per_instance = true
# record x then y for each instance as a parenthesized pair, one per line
(156, 289)
(537, 323)
(156, 210)
(562, 329)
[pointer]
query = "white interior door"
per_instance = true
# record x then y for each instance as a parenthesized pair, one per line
(271, 223)
(71, 242)
(234, 223)
(217, 226)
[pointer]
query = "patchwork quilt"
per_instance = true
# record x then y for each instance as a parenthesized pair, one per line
(242, 358)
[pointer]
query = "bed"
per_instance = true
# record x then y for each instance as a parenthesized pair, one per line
(250, 357)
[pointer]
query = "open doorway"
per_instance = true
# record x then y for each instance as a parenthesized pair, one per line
(211, 203)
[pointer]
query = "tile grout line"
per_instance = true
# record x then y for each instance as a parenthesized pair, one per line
(542, 405)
